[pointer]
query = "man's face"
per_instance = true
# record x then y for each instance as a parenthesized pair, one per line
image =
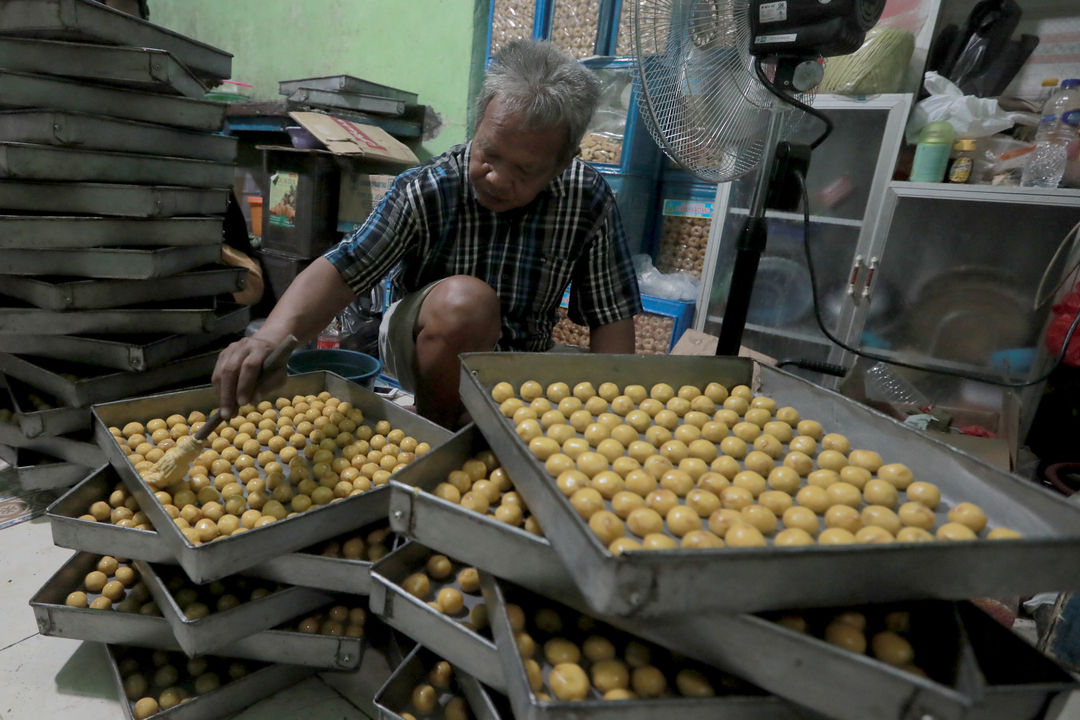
(510, 165)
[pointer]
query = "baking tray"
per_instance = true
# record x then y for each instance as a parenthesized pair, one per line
(1017, 681)
(784, 663)
(338, 100)
(449, 637)
(478, 540)
(107, 263)
(219, 629)
(217, 559)
(18, 318)
(346, 83)
(44, 232)
(25, 161)
(309, 568)
(94, 384)
(56, 619)
(51, 421)
(304, 568)
(36, 471)
(232, 697)
(139, 68)
(77, 448)
(100, 537)
(64, 293)
(394, 697)
(97, 132)
(110, 199)
(133, 353)
(92, 22)
(733, 701)
(752, 579)
(27, 90)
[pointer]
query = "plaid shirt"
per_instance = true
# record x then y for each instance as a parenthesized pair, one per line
(431, 221)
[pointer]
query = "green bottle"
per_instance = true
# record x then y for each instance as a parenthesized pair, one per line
(932, 152)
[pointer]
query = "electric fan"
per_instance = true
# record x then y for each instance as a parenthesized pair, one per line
(707, 98)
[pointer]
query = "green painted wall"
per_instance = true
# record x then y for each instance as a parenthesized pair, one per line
(426, 46)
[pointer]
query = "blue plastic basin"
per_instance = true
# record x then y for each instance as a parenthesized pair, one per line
(352, 365)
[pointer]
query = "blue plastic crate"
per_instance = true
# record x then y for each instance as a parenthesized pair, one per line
(635, 198)
(543, 19)
(681, 313)
(682, 225)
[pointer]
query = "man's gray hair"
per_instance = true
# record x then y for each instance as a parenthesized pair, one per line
(546, 85)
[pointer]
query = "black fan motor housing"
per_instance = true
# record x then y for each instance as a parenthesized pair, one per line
(810, 28)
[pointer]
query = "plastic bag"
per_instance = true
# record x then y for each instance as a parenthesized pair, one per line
(881, 64)
(971, 117)
(671, 286)
(999, 160)
(876, 67)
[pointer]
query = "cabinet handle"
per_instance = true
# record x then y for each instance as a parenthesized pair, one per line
(869, 278)
(856, 266)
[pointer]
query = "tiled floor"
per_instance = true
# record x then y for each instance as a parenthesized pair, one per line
(42, 678)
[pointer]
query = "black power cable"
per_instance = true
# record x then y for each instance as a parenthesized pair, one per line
(913, 366)
(791, 100)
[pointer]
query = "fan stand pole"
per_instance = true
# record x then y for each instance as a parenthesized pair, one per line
(751, 243)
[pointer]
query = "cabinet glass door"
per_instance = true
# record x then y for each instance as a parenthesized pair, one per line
(961, 294)
(842, 168)
(847, 180)
(781, 306)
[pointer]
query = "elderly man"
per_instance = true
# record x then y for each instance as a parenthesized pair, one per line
(489, 236)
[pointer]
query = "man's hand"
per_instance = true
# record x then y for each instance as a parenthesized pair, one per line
(236, 375)
(315, 296)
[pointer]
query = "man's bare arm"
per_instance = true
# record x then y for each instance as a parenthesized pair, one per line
(613, 338)
(313, 298)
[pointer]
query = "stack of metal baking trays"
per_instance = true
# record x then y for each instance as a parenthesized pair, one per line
(113, 183)
(288, 581)
(790, 664)
(44, 462)
(258, 629)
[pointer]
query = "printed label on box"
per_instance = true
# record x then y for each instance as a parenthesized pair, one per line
(283, 198)
(688, 208)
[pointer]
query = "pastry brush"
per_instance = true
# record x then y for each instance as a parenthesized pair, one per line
(174, 465)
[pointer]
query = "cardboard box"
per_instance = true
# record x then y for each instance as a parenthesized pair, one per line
(694, 342)
(343, 137)
(359, 194)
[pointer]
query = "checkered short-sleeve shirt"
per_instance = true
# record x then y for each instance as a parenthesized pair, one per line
(431, 222)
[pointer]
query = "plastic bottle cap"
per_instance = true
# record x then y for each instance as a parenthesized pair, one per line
(965, 145)
(1071, 82)
(937, 132)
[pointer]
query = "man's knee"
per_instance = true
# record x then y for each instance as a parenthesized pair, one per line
(461, 304)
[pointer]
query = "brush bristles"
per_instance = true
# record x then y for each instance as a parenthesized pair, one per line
(174, 464)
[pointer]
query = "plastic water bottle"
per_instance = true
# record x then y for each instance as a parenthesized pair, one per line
(330, 337)
(1057, 131)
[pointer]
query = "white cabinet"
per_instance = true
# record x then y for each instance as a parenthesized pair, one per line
(847, 186)
(939, 275)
